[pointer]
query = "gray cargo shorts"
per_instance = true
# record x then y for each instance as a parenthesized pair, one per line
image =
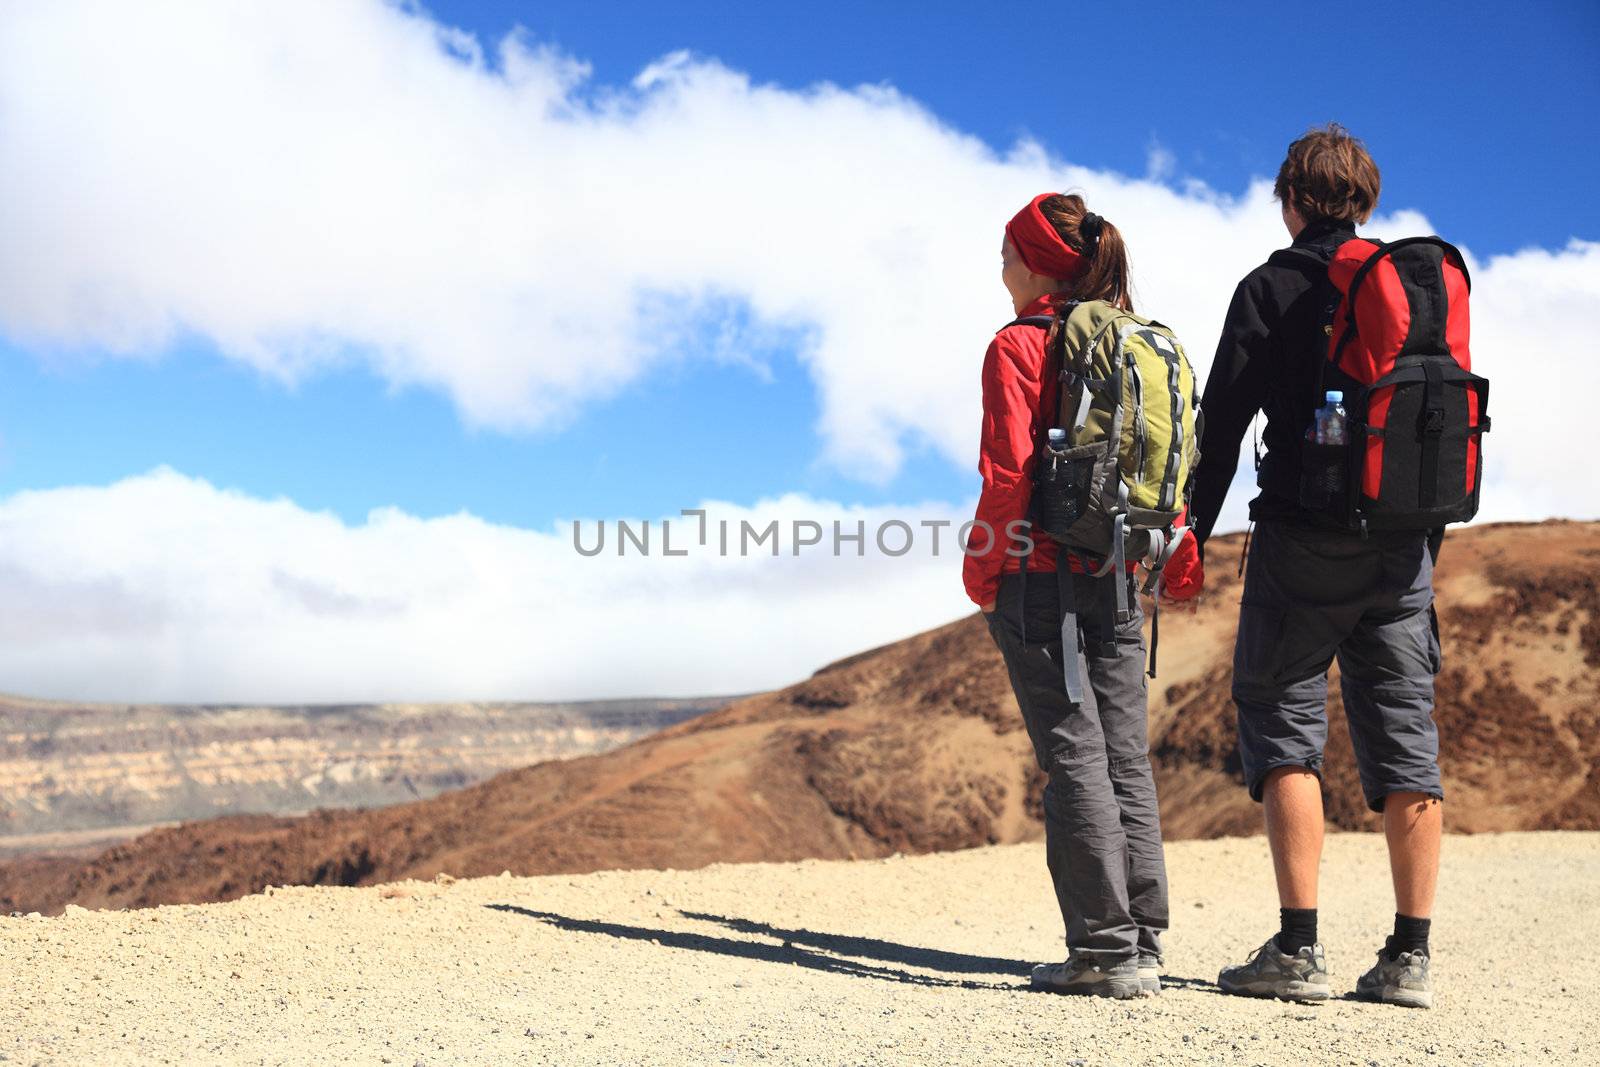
(1311, 595)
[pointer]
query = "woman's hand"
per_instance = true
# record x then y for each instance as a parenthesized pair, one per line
(1185, 574)
(987, 609)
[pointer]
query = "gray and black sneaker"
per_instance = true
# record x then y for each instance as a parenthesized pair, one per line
(1269, 973)
(1404, 981)
(1150, 975)
(1084, 975)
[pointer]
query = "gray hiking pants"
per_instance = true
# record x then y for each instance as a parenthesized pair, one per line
(1102, 826)
(1311, 595)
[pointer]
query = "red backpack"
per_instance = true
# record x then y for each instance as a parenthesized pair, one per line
(1398, 348)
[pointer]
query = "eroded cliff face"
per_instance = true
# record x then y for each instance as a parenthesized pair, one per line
(77, 775)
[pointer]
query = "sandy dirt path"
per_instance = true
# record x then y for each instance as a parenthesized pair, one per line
(907, 960)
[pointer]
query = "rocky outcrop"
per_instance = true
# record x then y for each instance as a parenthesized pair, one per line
(76, 773)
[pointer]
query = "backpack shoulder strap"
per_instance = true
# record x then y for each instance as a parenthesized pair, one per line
(1307, 258)
(1302, 258)
(1388, 249)
(1315, 264)
(1044, 322)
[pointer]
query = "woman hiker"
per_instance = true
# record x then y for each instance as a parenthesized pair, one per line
(1102, 827)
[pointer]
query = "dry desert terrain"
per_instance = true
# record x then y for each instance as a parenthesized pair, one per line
(901, 960)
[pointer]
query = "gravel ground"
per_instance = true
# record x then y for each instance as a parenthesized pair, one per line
(906, 960)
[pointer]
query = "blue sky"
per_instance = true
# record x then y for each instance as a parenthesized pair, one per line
(1476, 139)
(318, 320)
(1454, 99)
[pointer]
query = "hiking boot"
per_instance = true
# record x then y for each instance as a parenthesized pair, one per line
(1150, 975)
(1269, 973)
(1083, 975)
(1404, 981)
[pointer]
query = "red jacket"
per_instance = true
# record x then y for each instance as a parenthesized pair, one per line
(1013, 380)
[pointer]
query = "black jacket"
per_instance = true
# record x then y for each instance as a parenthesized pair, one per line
(1266, 361)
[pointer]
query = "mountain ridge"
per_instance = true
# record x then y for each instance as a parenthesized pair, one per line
(917, 746)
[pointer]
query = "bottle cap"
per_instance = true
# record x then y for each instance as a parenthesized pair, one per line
(1334, 396)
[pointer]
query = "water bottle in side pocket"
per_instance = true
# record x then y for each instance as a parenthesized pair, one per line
(1062, 484)
(1326, 458)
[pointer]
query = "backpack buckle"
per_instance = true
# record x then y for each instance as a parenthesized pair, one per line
(1433, 421)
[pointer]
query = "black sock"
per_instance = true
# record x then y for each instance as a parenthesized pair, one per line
(1410, 935)
(1297, 928)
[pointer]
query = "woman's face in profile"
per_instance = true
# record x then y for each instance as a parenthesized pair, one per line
(1014, 274)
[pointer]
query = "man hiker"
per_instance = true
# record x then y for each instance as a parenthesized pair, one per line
(1315, 587)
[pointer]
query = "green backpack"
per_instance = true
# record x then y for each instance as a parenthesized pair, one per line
(1113, 475)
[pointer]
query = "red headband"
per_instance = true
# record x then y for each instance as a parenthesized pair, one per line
(1040, 246)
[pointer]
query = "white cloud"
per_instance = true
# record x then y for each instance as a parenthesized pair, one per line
(308, 182)
(1534, 320)
(304, 183)
(164, 588)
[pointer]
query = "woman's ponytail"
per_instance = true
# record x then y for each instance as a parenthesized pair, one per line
(1105, 276)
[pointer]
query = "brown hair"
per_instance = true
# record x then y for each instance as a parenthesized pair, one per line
(1106, 277)
(1328, 175)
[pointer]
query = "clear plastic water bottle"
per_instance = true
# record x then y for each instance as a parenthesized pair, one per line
(1063, 484)
(1330, 420)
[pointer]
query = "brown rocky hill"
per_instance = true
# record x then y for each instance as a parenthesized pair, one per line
(917, 746)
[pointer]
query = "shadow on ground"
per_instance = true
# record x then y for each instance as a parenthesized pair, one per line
(802, 948)
(932, 959)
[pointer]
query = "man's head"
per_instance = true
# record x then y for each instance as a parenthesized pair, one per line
(1326, 175)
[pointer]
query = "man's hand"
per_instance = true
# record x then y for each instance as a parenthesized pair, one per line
(988, 608)
(1185, 574)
